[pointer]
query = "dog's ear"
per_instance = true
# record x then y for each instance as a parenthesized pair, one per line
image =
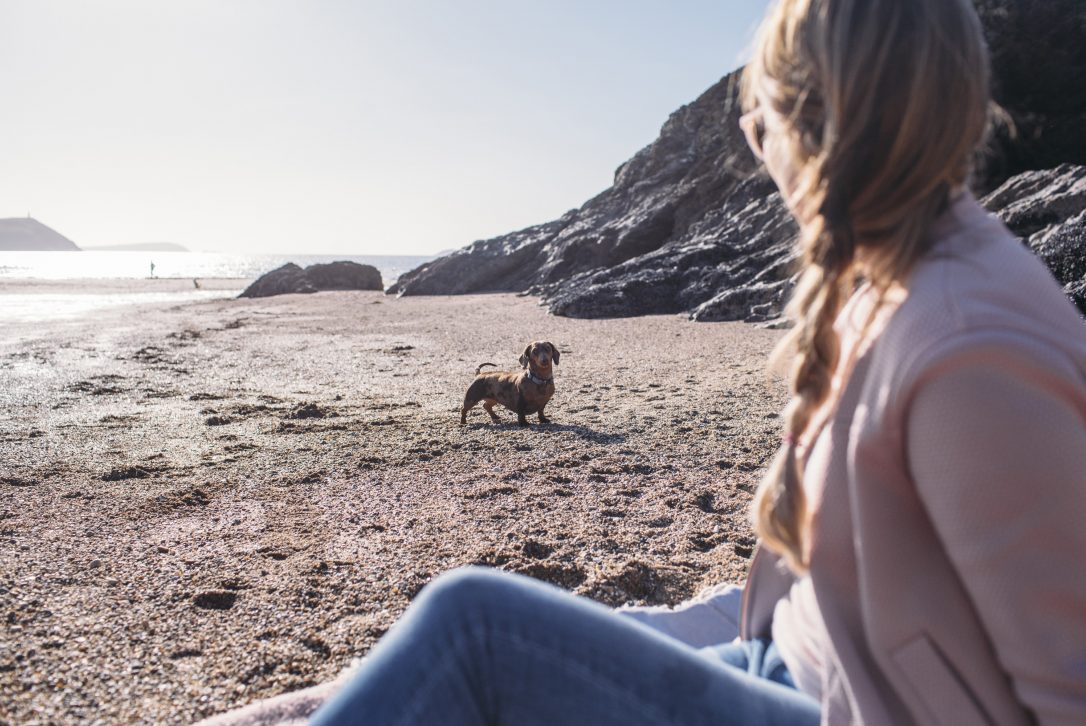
(524, 356)
(554, 352)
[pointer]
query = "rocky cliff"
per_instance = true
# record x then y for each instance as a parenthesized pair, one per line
(691, 225)
(26, 234)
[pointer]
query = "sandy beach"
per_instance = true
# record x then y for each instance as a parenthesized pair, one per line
(207, 503)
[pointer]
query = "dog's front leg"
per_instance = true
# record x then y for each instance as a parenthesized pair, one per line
(542, 418)
(522, 419)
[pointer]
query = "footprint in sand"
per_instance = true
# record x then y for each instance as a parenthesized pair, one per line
(309, 410)
(215, 600)
(127, 472)
(185, 337)
(98, 386)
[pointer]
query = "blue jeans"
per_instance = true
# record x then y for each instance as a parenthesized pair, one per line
(485, 647)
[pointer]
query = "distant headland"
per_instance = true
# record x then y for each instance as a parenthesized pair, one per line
(28, 234)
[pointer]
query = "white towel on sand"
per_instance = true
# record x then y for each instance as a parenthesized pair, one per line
(709, 618)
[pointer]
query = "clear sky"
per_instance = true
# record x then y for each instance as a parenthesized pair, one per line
(338, 126)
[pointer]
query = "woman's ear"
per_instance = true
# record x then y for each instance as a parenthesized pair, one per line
(554, 352)
(524, 356)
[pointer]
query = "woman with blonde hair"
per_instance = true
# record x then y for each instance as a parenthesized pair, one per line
(922, 524)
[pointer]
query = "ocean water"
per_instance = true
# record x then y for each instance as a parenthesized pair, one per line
(42, 307)
(92, 264)
(72, 300)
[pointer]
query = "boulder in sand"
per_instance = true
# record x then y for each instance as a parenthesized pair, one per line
(290, 278)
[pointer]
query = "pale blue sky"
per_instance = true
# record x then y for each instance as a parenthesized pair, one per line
(366, 127)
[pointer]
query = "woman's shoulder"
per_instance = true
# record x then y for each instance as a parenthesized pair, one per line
(979, 275)
(980, 290)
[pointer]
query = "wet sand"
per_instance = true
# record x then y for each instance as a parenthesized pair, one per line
(209, 503)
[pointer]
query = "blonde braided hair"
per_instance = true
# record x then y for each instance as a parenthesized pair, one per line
(881, 104)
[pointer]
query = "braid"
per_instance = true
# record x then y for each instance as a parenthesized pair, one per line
(780, 506)
(849, 86)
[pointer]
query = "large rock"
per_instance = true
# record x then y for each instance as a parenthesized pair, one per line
(689, 224)
(27, 234)
(290, 278)
(344, 276)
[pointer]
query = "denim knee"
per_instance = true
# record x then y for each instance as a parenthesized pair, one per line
(466, 590)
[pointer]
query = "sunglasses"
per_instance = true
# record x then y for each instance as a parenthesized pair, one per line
(753, 125)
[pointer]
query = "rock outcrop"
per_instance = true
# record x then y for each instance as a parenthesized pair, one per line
(733, 263)
(27, 234)
(344, 276)
(690, 224)
(290, 278)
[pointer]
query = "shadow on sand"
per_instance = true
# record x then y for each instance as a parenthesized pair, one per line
(582, 432)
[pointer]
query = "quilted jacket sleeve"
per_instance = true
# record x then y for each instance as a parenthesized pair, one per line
(997, 450)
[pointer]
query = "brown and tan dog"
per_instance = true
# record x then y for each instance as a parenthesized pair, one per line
(523, 392)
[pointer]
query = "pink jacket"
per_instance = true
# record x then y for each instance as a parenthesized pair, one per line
(948, 554)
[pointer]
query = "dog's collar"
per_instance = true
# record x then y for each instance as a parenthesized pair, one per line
(537, 380)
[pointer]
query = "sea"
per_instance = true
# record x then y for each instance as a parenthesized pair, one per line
(72, 300)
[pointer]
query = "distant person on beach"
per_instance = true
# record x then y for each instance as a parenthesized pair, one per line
(152, 269)
(922, 525)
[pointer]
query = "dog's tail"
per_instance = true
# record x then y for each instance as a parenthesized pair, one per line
(480, 368)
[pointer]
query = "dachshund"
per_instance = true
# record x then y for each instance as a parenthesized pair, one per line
(523, 392)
